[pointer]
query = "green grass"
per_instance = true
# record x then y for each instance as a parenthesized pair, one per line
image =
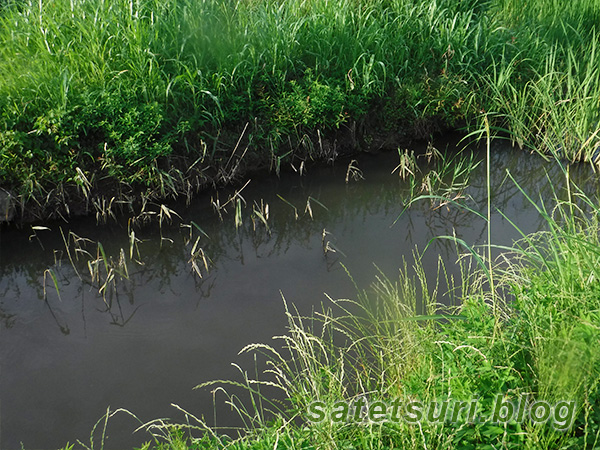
(136, 92)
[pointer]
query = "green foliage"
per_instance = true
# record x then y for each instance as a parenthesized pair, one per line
(311, 104)
(83, 80)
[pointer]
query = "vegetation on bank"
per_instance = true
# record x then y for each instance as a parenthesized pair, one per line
(98, 97)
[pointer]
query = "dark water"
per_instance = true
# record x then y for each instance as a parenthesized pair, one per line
(164, 330)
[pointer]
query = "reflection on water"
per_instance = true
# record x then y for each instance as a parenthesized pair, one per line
(145, 343)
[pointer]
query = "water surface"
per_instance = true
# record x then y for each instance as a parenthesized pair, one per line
(155, 336)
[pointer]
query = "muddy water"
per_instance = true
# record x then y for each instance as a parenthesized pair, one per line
(154, 336)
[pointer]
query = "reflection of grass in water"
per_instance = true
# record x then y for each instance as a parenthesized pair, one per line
(109, 269)
(447, 177)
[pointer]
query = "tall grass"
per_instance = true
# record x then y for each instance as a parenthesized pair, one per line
(111, 89)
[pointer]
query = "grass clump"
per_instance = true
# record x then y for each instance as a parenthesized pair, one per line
(138, 92)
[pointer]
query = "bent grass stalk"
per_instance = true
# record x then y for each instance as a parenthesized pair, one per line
(52, 275)
(197, 254)
(407, 165)
(260, 212)
(489, 222)
(353, 172)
